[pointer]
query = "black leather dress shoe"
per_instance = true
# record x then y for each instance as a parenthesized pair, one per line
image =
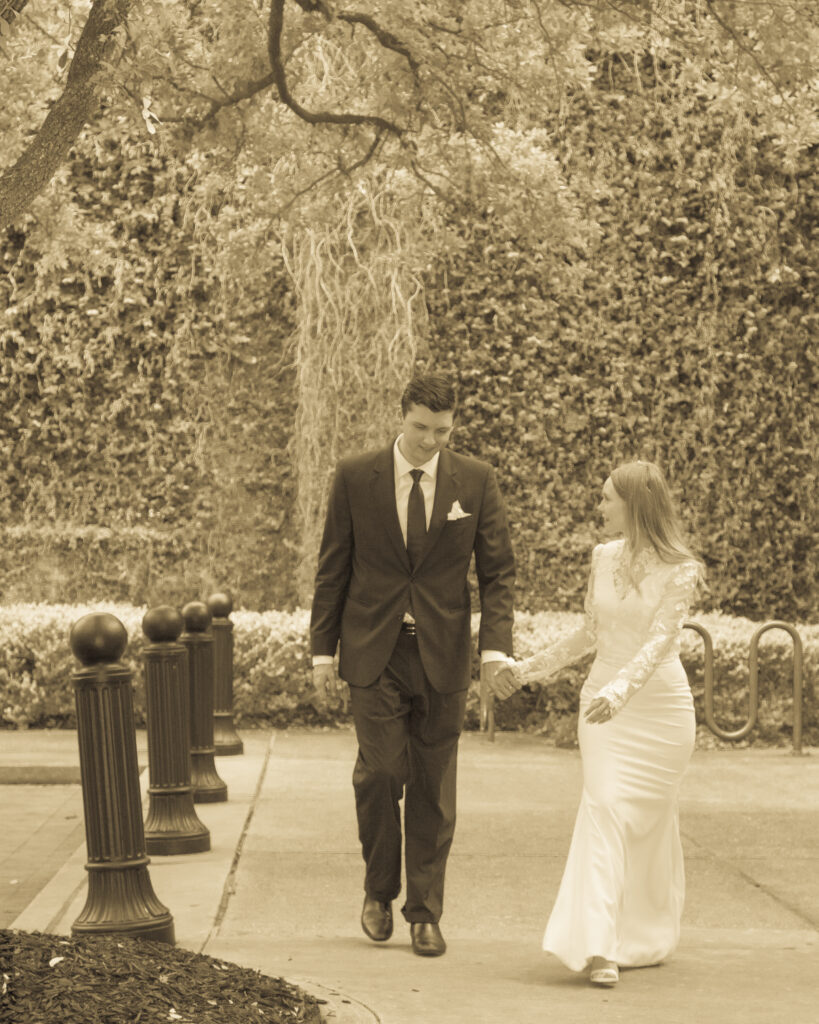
(427, 939)
(376, 919)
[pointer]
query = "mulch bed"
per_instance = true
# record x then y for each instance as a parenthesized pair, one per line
(52, 979)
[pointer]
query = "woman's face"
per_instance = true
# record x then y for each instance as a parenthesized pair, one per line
(613, 510)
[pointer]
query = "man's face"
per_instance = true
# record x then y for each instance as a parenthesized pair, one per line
(425, 433)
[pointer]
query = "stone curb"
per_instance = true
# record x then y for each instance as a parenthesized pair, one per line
(338, 1008)
(34, 775)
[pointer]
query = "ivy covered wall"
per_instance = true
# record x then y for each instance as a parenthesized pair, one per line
(688, 334)
(146, 416)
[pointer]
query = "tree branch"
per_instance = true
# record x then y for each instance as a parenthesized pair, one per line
(274, 39)
(387, 39)
(79, 103)
(342, 168)
(747, 50)
(253, 88)
(244, 92)
(9, 9)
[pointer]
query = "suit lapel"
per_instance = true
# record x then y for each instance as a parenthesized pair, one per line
(383, 495)
(446, 491)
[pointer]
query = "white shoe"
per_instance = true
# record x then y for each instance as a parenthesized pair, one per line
(607, 975)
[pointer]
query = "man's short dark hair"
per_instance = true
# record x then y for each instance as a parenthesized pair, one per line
(434, 390)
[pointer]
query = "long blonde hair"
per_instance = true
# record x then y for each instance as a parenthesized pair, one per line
(651, 515)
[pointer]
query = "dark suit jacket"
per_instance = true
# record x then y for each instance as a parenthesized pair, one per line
(364, 583)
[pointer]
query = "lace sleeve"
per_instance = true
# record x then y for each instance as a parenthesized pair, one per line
(676, 600)
(563, 652)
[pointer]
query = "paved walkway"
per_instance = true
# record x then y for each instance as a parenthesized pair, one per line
(281, 888)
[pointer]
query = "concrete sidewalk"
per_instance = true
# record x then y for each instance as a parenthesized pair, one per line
(280, 890)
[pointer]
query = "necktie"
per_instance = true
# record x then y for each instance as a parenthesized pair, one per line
(416, 519)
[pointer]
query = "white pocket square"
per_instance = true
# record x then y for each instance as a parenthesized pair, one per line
(456, 512)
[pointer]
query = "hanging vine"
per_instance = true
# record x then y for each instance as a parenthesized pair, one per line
(361, 321)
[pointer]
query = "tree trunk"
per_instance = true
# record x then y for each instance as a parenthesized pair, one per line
(79, 103)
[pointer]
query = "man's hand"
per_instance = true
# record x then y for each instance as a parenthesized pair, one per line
(500, 679)
(330, 690)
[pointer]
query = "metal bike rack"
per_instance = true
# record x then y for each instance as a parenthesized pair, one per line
(753, 683)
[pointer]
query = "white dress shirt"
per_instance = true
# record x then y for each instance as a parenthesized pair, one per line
(403, 486)
(404, 481)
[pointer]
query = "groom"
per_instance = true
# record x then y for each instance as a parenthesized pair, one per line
(402, 525)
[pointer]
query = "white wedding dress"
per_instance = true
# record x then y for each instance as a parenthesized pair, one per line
(623, 887)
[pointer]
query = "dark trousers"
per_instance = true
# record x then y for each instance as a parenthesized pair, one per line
(407, 739)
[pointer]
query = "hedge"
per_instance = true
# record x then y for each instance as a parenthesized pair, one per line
(273, 686)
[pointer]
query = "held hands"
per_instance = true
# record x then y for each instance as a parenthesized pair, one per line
(599, 711)
(500, 678)
(331, 691)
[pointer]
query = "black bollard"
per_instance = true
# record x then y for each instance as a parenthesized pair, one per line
(207, 786)
(225, 739)
(172, 825)
(120, 896)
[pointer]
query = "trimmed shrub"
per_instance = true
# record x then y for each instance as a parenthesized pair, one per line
(273, 685)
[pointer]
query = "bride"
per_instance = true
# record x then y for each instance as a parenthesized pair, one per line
(621, 896)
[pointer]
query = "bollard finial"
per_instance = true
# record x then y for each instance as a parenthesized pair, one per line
(162, 624)
(220, 604)
(98, 637)
(196, 617)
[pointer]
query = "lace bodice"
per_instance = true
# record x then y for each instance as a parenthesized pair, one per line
(633, 616)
